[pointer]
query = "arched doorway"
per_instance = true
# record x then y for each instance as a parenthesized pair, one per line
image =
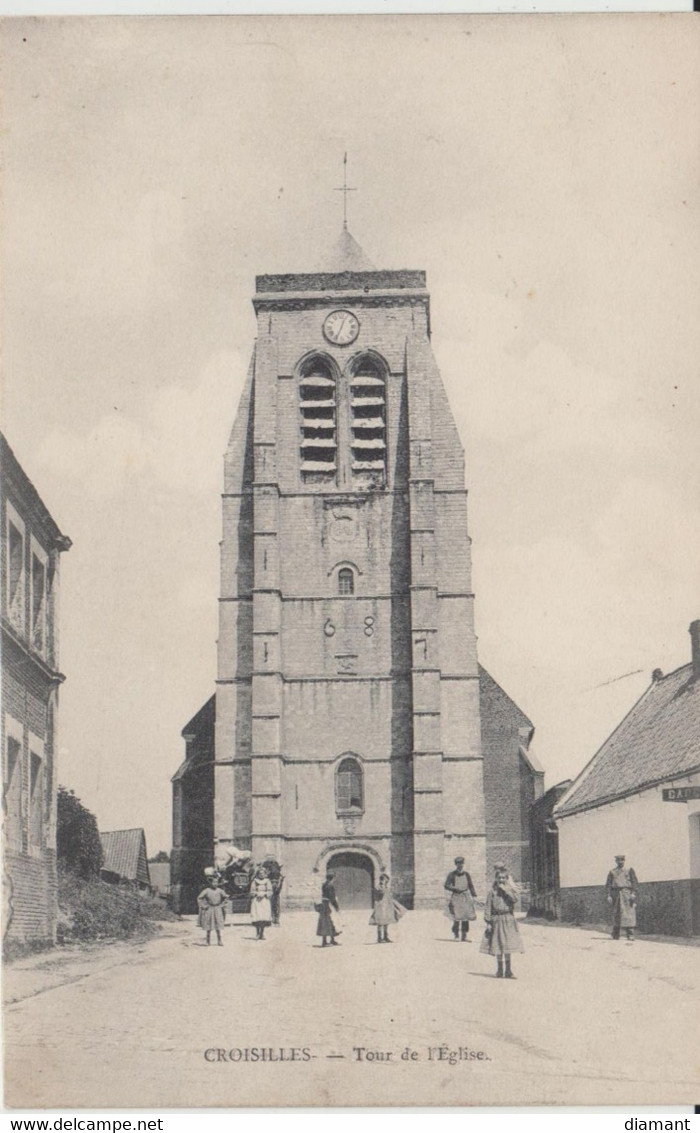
(354, 879)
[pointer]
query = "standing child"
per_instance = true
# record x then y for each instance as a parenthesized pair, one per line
(261, 902)
(210, 903)
(328, 922)
(386, 910)
(502, 936)
(277, 881)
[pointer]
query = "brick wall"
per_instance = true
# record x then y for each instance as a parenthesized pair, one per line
(510, 786)
(30, 897)
(340, 281)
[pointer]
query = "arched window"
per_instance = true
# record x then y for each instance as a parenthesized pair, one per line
(346, 581)
(349, 795)
(368, 421)
(317, 406)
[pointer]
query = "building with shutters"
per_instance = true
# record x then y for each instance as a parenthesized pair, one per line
(32, 545)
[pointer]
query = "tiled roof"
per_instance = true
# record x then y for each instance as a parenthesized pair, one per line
(489, 688)
(202, 719)
(659, 739)
(125, 854)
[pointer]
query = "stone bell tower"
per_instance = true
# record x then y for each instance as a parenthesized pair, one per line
(347, 706)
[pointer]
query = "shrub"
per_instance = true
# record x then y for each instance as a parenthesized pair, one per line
(90, 909)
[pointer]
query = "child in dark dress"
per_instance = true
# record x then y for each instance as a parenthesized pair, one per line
(328, 926)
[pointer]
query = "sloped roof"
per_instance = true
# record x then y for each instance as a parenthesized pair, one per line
(14, 475)
(531, 759)
(489, 688)
(659, 739)
(125, 854)
(202, 719)
(199, 729)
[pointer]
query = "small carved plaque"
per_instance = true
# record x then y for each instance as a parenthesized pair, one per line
(342, 529)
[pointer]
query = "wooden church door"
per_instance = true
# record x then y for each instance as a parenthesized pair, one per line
(354, 876)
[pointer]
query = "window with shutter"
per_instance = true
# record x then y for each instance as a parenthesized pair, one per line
(36, 800)
(15, 576)
(349, 794)
(13, 794)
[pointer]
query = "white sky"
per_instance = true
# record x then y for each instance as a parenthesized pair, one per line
(543, 170)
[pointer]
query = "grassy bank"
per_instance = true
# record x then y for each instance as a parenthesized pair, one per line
(93, 911)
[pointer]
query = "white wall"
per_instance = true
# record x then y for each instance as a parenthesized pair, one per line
(653, 834)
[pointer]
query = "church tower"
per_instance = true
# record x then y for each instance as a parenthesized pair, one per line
(347, 715)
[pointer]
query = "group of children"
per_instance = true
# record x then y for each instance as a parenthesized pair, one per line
(386, 910)
(211, 903)
(501, 935)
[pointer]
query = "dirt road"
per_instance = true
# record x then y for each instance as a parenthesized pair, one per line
(172, 1023)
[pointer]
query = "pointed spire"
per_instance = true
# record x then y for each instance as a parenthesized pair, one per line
(346, 255)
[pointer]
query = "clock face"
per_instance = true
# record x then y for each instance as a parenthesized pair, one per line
(341, 328)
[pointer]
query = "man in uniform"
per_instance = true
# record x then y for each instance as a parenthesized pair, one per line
(460, 899)
(621, 892)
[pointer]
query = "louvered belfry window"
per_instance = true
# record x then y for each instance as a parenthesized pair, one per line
(368, 422)
(318, 408)
(349, 794)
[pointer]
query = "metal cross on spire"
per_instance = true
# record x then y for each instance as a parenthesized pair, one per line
(345, 189)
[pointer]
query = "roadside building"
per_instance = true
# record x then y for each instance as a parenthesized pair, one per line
(544, 840)
(640, 796)
(125, 861)
(31, 548)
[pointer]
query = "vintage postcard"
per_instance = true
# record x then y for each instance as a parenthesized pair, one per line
(350, 611)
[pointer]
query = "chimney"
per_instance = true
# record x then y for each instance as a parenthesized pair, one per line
(694, 632)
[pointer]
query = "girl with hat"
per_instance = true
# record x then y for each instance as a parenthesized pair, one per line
(210, 903)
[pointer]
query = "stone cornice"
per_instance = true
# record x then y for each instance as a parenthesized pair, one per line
(303, 300)
(45, 669)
